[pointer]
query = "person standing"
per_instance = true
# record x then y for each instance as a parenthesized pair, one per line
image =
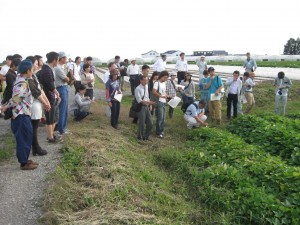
(202, 65)
(3, 71)
(171, 91)
(89, 60)
(233, 93)
(111, 66)
(188, 92)
(133, 71)
(249, 64)
(46, 76)
(88, 80)
(249, 84)
(74, 70)
(123, 72)
(215, 85)
(144, 116)
(159, 90)
(153, 79)
(204, 91)
(282, 85)
(113, 87)
(61, 83)
(21, 103)
(181, 67)
(160, 64)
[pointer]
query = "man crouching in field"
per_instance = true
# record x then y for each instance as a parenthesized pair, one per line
(194, 115)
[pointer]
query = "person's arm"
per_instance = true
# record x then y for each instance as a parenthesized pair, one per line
(209, 83)
(107, 94)
(229, 81)
(84, 80)
(288, 83)
(177, 65)
(155, 92)
(186, 67)
(155, 66)
(255, 65)
(80, 102)
(35, 91)
(2, 77)
(200, 121)
(221, 86)
(8, 90)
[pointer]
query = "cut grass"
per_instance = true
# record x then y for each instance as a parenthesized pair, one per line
(108, 177)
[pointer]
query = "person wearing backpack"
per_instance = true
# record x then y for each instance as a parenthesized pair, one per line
(194, 115)
(188, 92)
(215, 85)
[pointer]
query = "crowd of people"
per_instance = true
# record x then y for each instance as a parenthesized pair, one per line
(35, 90)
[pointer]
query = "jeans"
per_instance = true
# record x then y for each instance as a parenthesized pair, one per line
(205, 97)
(280, 109)
(232, 99)
(171, 111)
(160, 121)
(115, 111)
(63, 108)
(79, 115)
(133, 81)
(22, 129)
(144, 118)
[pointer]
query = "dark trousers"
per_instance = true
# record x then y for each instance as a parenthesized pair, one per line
(232, 99)
(171, 111)
(22, 129)
(133, 81)
(79, 115)
(144, 118)
(35, 142)
(89, 93)
(77, 85)
(115, 111)
(180, 76)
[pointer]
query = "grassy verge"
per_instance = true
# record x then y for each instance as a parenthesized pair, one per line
(108, 177)
(7, 147)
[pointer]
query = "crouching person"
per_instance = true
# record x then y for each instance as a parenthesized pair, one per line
(194, 115)
(80, 107)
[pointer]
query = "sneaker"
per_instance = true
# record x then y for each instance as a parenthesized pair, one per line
(29, 166)
(160, 136)
(66, 132)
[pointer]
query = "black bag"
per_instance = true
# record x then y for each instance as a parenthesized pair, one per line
(8, 114)
(136, 107)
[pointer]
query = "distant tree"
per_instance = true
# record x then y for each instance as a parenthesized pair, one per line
(292, 47)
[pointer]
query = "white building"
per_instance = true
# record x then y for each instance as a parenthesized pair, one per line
(150, 54)
(172, 53)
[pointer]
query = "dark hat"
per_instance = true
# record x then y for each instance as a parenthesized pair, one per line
(24, 66)
(210, 69)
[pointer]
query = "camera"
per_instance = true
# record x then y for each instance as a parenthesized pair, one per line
(280, 92)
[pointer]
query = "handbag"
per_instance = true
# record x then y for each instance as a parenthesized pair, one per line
(8, 113)
(136, 107)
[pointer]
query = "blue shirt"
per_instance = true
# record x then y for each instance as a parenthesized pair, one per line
(113, 87)
(216, 83)
(202, 83)
(193, 111)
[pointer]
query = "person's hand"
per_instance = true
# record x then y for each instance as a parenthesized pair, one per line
(150, 108)
(217, 92)
(205, 124)
(3, 108)
(110, 104)
(151, 103)
(47, 107)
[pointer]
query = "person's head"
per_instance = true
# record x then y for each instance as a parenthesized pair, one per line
(202, 104)
(143, 80)
(248, 55)
(145, 70)
(52, 58)
(62, 58)
(173, 76)
(34, 61)
(163, 76)
(117, 59)
(236, 75)
(86, 67)
(14, 64)
(126, 61)
(164, 57)
(17, 56)
(211, 71)
(205, 73)
(182, 54)
(40, 60)
(154, 75)
(77, 60)
(82, 89)
(84, 60)
(8, 60)
(89, 60)
(114, 74)
(111, 66)
(70, 60)
(188, 77)
(202, 58)
(133, 61)
(281, 75)
(25, 68)
(246, 75)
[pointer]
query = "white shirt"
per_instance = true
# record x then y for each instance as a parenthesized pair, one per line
(234, 88)
(181, 65)
(106, 77)
(76, 71)
(161, 87)
(159, 65)
(4, 70)
(133, 69)
(140, 92)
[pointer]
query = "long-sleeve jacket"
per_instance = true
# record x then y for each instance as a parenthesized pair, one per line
(80, 102)
(10, 80)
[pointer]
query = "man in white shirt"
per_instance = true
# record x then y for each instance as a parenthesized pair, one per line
(160, 64)
(74, 70)
(233, 93)
(202, 65)
(133, 71)
(181, 67)
(194, 115)
(159, 90)
(144, 116)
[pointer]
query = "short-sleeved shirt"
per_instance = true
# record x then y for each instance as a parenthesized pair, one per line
(76, 71)
(193, 111)
(4, 70)
(216, 83)
(113, 87)
(161, 87)
(60, 75)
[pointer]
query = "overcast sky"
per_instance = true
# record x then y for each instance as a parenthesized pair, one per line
(130, 28)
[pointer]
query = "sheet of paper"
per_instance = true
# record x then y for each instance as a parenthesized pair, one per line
(118, 97)
(174, 102)
(179, 86)
(214, 97)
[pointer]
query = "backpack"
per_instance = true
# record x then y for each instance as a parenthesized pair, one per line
(186, 105)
